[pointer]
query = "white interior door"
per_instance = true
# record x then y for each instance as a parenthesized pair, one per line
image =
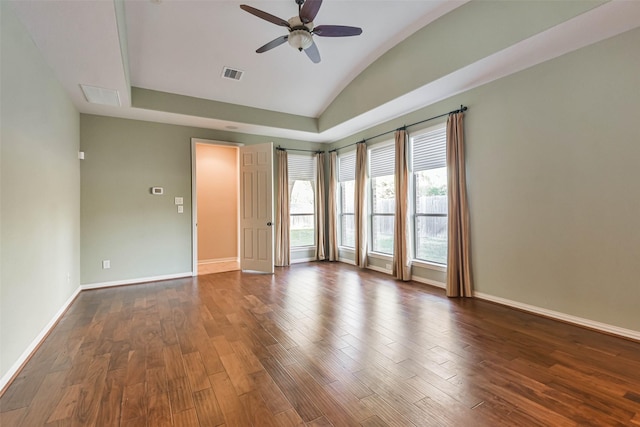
(256, 208)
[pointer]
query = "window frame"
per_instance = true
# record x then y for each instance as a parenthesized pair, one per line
(341, 213)
(414, 203)
(370, 189)
(290, 184)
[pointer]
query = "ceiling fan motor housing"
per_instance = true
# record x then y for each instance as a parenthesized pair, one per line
(300, 36)
(301, 28)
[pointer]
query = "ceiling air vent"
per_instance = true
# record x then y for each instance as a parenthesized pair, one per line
(232, 73)
(100, 95)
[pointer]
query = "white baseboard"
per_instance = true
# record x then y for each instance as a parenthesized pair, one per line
(429, 282)
(8, 376)
(90, 286)
(579, 321)
(347, 261)
(217, 260)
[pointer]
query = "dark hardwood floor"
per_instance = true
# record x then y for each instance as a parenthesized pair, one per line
(317, 344)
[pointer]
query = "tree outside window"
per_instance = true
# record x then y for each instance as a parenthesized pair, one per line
(301, 212)
(429, 168)
(302, 176)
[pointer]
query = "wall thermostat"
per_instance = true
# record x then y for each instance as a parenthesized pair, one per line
(157, 191)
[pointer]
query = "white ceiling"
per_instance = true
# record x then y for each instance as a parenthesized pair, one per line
(181, 46)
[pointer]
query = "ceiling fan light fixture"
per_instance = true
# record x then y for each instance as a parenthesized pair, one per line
(301, 28)
(300, 39)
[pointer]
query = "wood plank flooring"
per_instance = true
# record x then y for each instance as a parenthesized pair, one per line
(317, 344)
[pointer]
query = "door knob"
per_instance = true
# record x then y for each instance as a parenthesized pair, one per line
(269, 223)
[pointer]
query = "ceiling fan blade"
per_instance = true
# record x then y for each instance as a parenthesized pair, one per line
(336, 31)
(309, 10)
(273, 43)
(264, 15)
(313, 53)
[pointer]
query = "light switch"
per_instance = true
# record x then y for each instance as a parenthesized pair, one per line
(180, 209)
(179, 201)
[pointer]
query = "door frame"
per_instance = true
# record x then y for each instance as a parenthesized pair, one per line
(194, 198)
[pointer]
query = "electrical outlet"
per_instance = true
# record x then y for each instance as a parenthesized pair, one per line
(180, 209)
(106, 264)
(387, 266)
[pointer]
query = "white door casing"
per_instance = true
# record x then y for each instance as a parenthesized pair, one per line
(256, 208)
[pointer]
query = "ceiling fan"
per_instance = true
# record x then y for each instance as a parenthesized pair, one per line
(301, 28)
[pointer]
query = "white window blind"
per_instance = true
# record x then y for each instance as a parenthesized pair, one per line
(382, 161)
(430, 150)
(301, 168)
(347, 167)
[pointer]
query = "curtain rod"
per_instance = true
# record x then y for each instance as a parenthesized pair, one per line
(459, 110)
(299, 149)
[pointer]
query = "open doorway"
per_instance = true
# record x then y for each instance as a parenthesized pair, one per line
(215, 206)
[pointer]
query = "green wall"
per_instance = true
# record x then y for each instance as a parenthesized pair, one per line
(553, 181)
(457, 39)
(552, 169)
(198, 107)
(142, 235)
(40, 193)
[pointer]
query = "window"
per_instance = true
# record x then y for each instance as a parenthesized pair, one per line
(346, 204)
(429, 169)
(302, 173)
(383, 198)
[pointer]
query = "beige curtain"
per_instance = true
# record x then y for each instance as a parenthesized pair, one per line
(320, 207)
(332, 206)
(458, 259)
(282, 211)
(401, 257)
(360, 209)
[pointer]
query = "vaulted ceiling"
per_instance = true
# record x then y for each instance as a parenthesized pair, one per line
(165, 57)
